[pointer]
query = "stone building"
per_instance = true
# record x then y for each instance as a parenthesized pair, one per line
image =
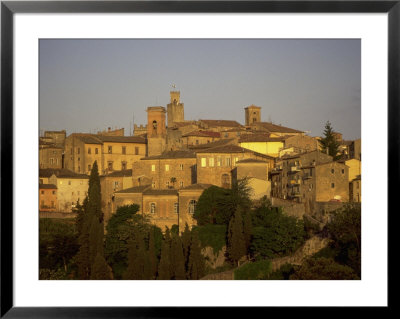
(111, 183)
(47, 197)
(218, 125)
(112, 153)
(252, 114)
(302, 143)
(257, 174)
(355, 190)
(170, 170)
(215, 165)
(163, 207)
(310, 177)
(71, 187)
(51, 149)
(355, 149)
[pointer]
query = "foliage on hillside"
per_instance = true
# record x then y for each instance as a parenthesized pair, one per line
(253, 271)
(212, 235)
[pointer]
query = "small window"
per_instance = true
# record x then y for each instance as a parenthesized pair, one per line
(136, 150)
(167, 184)
(332, 171)
(96, 150)
(228, 161)
(69, 182)
(79, 159)
(211, 161)
(89, 151)
(89, 167)
(181, 184)
(153, 208)
(110, 150)
(219, 162)
(42, 192)
(332, 185)
(153, 184)
(153, 168)
(197, 142)
(203, 162)
(342, 171)
(181, 167)
(166, 167)
(123, 165)
(110, 166)
(53, 192)
(123, 149)
(176, 208)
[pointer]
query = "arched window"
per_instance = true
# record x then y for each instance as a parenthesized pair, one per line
(154, 124)
(192, 206)
(152, 208)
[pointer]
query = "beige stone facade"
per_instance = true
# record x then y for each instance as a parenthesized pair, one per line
(170, 170)
(112, 153)
(215, 165)
(71, 187)
(47, 198)
(51, 149)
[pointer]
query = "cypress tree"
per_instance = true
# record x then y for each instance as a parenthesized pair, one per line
(177, 259)
(196, 260)
(236, 241)
(164, 268)
(186, 240)
(100, 269)
(152, 256)
(133, 271)
(247, 229)
(91, 227)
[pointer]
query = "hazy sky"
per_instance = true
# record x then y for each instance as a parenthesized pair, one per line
(89, 85)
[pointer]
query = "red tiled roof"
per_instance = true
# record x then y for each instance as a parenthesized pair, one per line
(276, 128)
(203, 134)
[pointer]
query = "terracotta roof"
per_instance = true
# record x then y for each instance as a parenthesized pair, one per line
(152, 191)
(60, 173)
(200, 147)
(251, 160)
(122, 139)
(133, 190)
(260, 138)
(203, 134)
(196, 186)
(89, 139)
(122, 173)
(186, 123)
(230, 148)
(224, 123)
(276, 128)
(47, 186)
(172, 154)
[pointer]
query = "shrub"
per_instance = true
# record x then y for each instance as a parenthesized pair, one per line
(212, 235)
(253, 271)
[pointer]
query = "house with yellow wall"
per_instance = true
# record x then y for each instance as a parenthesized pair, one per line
(262, 143)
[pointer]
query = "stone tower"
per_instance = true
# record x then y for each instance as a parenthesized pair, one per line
(252, 114)
(156, 130)
(175, 108)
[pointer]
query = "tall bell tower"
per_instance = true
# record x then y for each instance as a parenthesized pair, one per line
(156, 130)
(252, 114)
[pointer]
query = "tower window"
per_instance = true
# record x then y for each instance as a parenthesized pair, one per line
(123, 149)
(110, 150)
(152, 208)
(154, 124)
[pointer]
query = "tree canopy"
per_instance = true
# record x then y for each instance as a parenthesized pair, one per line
(329, 143)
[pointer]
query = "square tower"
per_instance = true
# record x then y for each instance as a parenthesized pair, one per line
(156, 130)
(175, 109)
(252, 114)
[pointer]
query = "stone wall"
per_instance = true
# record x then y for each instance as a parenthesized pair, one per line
(290, 208)
(310, 247)
(58, 215)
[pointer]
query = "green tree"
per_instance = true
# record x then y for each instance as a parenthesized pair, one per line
(329, 143)
(247, 229)
(136, 259)
(216, 205)
(100, 270)
(196, 265)
(177, 259)
(165, 266)
(323, 269)
(236, 241)
(275, 234)
(345, 230)
(153, 256)
(186, 240)
(91, 227)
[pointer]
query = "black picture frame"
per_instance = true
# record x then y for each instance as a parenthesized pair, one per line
(9, 8)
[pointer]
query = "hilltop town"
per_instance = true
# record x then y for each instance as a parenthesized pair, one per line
(168, 163)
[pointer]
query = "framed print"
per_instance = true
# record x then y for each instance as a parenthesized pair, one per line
(214, 120)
